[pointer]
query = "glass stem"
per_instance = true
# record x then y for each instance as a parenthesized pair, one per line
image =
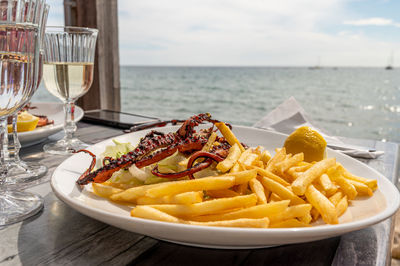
(15, 145)
(69, 121)
(3, 135)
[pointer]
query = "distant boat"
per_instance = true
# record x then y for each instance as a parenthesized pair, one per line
(314, 67)
(317, 66)
(390, 62)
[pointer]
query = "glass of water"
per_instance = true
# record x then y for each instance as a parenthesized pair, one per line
(19, 68)
(68, 74)
(20, 171)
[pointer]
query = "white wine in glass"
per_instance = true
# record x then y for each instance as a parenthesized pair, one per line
(68, 74)
(68, 81)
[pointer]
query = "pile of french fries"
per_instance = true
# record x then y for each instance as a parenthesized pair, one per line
(252, 190)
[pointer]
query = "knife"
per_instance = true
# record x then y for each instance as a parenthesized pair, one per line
(153, 124)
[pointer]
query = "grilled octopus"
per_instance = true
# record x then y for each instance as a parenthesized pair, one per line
(156, 146)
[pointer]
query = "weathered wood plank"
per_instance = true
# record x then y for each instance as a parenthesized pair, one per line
(172, 254)
(103, 15)
(298, 254)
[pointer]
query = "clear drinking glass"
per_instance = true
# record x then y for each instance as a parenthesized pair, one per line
(19, 67)
(20, 171)
(68, 74)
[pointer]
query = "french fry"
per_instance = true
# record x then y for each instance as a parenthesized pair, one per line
(290, 176)
(301, 167)
(251, 158)
(241, 189)
(228, 134)
(335, 198)
(148, 212)
(314, 214)
(320, 189)
(322, 204)
(258, 189)
(222, 193)
(254, 212)
(206, 183)
(280, 155)
(341, 207)
(295, 171)
(265, 156)
(335, 173)
(270, 175)
(185, 198)
(307, 218)
(244, 222)
(104, 191)
(362, 189)
(281, 167)
(236, 168)
(267, 194)
(289, 223)
(291, 212)
(244, 177)
(210, 142)
(274, 198)
(282, 191)
(244, 155)
(119, 185)
(300, 185)
(231, 159)
(208, 207)
(371, 183)
(258, 163)
(130, 195)
(327, 184)
(258, 150)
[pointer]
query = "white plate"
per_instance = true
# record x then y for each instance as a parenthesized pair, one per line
(54, 111)
(360, 214)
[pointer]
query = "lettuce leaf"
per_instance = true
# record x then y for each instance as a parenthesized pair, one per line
(123, 176)
(117, 150)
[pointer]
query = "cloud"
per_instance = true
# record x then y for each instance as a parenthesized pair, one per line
(242, 32)
(224, 32)
(372, 22)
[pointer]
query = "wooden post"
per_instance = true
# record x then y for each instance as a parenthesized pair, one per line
(103, 15)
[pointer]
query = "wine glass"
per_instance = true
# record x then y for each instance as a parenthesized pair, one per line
(20, 171)
(19, 67)
(68, 74)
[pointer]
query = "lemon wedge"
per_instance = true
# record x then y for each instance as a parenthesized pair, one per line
(25, 122)
(308, 141)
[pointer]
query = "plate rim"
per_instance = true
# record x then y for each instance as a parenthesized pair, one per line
(390, 209)
(55, 127)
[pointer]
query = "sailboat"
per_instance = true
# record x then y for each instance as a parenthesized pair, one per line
(390, 62)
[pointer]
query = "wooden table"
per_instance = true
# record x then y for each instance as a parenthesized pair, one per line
(60, 235)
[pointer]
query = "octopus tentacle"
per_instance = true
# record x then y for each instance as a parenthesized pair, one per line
(92, 164)
(188, 172)
(202, 154)
(184, 140)
(106, 160)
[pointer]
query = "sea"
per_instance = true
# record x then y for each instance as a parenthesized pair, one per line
(345, 101)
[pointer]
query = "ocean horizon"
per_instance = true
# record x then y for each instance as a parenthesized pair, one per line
(358, 102)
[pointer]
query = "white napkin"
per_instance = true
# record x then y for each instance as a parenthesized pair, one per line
(290, 115)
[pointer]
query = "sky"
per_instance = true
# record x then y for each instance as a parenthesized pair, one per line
(255, 33)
